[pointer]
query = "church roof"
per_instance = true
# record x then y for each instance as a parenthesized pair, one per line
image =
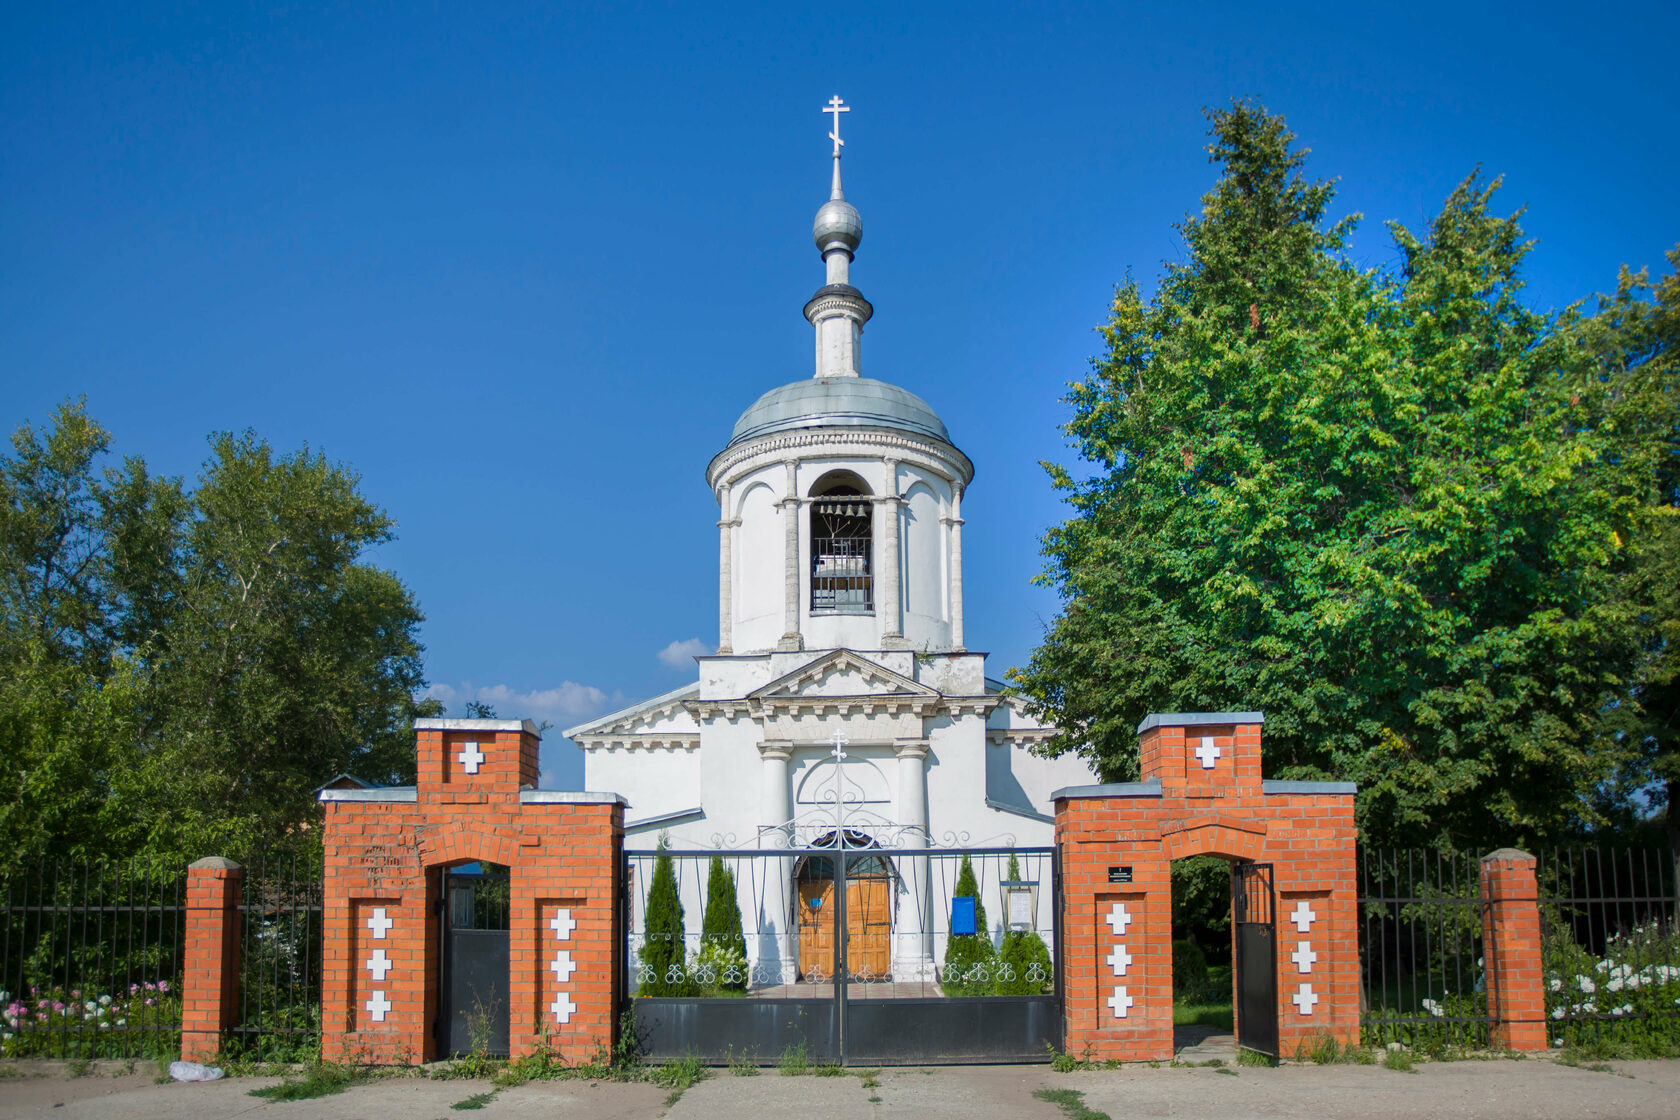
(838, 402)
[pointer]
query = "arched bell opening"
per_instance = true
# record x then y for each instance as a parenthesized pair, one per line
(842, 545)
(870, 889)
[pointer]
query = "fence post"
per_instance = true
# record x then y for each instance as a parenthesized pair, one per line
(210, 987)
(1516, 991)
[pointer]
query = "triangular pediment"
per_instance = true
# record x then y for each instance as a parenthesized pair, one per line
(843, 674)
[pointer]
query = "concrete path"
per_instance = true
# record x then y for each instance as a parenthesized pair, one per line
(1535, 1089)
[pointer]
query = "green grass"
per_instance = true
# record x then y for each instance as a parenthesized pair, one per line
(1203, 1015)
(320, 1080)
(476, 1101)
(795, 1061)
(1398, 1060)
(1253, 1059)
(1072, 1102)
(678, 1075)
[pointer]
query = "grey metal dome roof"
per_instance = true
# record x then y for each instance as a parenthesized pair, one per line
(838, 402)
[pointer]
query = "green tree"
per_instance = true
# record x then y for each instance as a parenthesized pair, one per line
(968, 956)
(1359, 502)
(721, 928)
(1631, 349)
(664, 951)
(182, 668)
(1024, 967)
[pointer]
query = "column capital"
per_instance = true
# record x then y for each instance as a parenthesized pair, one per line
(910, 748)
(776, 750)
(729, 523)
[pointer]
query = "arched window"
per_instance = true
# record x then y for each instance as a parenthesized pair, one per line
(842, 547)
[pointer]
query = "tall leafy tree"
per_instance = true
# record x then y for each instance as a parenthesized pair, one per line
(179, 669)
(1630, 345)
(1359, 502)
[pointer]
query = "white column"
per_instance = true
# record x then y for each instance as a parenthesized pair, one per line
(790, 559)
(726, 572)
(913, 940)
(955, 521)
(889, 605)
(775, 958)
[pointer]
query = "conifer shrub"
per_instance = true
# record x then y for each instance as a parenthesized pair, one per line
(723, 947)
(664, 954)
(970, 959)
(1024, 967)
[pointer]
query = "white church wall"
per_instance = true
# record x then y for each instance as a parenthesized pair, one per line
(923, 559)
(757, 597)
(655, 781)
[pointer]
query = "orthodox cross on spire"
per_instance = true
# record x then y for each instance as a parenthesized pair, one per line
(836, 106)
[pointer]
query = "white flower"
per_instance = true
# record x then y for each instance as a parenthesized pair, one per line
(1434, 1008)
(1556, 984)
(104, 1001)
(1586, 984)
(1558, 1043)
(90, 1006)
(122, 1022)
(1602, 966)
(1614, 985)
(1558, 1014)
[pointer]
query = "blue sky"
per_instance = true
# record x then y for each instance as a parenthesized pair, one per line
(521, 267)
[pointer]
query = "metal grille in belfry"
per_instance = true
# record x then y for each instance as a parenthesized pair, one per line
(841, 579)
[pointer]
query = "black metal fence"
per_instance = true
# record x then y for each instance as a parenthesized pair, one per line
(1421, 945)
(91, 956)
(90, 959)
(1611, 949)
(280, 958)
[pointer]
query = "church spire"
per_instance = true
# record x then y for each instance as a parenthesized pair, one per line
(838, 311)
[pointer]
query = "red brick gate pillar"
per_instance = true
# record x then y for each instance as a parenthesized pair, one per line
(1202, 794)
(210, 986)
(1516, 991)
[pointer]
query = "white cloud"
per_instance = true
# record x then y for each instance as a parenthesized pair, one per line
(678, 654)
(568, 701)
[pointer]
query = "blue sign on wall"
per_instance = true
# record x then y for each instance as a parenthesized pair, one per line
(963, 921)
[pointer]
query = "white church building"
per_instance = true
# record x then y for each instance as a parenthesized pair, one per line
(840, 617)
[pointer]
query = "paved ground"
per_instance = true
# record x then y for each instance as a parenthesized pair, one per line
(1535, 1089)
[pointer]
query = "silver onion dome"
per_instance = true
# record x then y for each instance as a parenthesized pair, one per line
(838, 226)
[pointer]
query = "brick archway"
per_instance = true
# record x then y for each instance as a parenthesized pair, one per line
(474, 800)
(1202, 794)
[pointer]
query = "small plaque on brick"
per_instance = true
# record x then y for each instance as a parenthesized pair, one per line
(1119, 874)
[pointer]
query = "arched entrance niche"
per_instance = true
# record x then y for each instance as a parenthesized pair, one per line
(1292, 844)
(870, 889)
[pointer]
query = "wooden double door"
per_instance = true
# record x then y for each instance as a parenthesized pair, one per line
(868, 919)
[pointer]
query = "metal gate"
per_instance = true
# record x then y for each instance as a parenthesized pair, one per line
(851, 947)
(474, 1006)
(1254, 917)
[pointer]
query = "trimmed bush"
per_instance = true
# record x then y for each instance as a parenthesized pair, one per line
(970, 959)
(664, 953)
(723, 947)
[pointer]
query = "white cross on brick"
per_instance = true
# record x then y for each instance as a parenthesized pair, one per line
(1119, 959)
(470, 757)
(1207, 752)
(1118, 918)
(379, 923)
(562, 1008)
(377, 1006)
(379, 964)
(562, 924)
(1303, 956)
(1303, 916)
(1120, 1002)
(563, 966)
(1304, 999)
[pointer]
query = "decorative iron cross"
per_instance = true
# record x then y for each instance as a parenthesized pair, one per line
(836, 107)
(839, 751)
